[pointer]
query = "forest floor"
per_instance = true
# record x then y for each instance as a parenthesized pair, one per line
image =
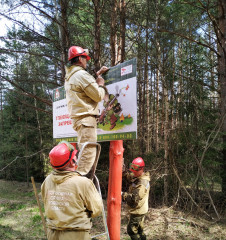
(20, 219)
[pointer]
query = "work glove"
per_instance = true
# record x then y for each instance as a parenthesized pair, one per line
(124, 195)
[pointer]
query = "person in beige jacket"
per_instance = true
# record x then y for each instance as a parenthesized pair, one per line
(70, 200)
(83, 93)
(137, 198)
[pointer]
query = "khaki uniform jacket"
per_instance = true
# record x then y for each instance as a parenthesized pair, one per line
(82, 93)
(138, 193)
(70, 201)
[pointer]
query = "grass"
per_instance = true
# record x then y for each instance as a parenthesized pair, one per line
(20, 219)
(19, 214)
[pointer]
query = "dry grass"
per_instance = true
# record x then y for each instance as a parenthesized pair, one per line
(20, 219)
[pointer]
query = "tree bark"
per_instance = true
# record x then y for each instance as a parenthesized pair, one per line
(121, 47)
(113, 37)
(166, 144)
(158, 52)
(63, 34)
(97, 25)
(146, 79)
(222, 80)
(2, 118)
(140, 101)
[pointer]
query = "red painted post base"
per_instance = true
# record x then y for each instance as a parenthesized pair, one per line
(114, 189)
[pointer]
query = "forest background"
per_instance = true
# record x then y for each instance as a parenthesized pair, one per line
(180, 48)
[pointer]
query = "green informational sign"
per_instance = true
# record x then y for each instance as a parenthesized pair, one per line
(118, 112)
(121, 72)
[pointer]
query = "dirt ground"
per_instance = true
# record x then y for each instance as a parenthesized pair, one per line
(20, 219)
(168, 224)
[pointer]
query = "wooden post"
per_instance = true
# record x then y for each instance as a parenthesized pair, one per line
(39, 205)
(114, 189)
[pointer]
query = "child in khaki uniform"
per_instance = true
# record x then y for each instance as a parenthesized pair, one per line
(137, 198)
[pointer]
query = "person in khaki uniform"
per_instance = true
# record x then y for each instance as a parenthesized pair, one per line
(83, 93)
(137, 198)
(70, 200)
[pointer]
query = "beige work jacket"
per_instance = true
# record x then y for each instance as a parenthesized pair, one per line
(138, 193)
(70, 201)
(82, 92)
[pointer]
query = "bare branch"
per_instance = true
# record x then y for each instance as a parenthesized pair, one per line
(190, 39)
(26, 92)
(31, 106)
(24, 26)
(4, 50)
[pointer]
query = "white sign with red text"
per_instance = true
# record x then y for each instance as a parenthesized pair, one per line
(62, 124)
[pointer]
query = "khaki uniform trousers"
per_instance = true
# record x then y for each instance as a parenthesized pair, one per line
(67, 235)
(87, 132)
(135, 227)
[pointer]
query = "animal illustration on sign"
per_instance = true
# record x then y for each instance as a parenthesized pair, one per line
(112, 112)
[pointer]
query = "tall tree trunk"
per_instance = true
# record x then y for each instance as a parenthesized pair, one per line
(143, 102)
(121, 47)
(158, 52)
(166, 145)
(97, 50)
(157, 113)
(165, 103)
(2, 120)
(222, 80)
(63, 33)
(140, 99)
(116, 158)
(113, 38)
(26, 149)
(211, 57)
(41, 157)
(151, 118)
(180, 90)
(146, 79)
(172, 98)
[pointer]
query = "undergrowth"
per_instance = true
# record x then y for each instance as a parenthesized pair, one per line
(20, 219)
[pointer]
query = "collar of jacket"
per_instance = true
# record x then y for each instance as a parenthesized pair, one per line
(71, 70)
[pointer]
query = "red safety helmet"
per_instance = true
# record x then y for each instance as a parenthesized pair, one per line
(62, 154)
(76, 51)
(137, 165)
